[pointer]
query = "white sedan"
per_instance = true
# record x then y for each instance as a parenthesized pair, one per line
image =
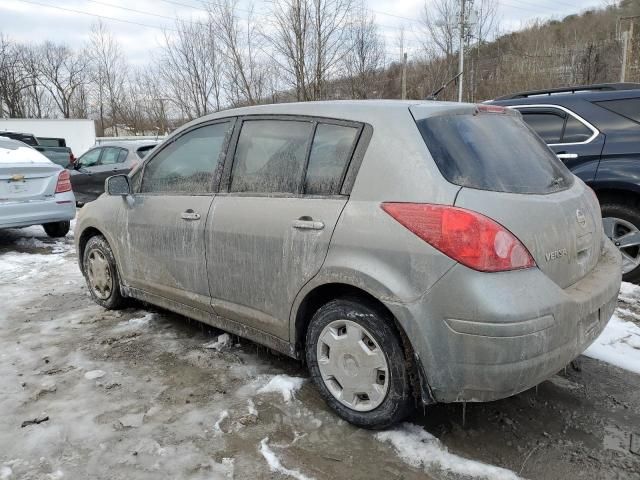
(33, 190)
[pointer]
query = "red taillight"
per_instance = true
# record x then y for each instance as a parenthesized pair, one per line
(468, 237)
(72, 158)
(64, 182)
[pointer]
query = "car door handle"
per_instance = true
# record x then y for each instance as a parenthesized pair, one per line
(190, 215)
(303, 224)
(565, 156)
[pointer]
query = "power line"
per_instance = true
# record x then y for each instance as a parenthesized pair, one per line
(143, 12)
(104, 17)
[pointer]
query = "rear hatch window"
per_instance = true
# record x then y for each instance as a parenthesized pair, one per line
(493, 151)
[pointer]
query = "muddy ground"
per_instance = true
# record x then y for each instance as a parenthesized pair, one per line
(135, 395)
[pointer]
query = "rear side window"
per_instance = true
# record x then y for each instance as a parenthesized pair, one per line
(188, 164)
(627, 107)
(330, 154)
(575, 131)
(547, 125)
(110, 155)
(494, 152)
(270, 156)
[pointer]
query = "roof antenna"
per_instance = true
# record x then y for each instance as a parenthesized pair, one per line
(434, 95)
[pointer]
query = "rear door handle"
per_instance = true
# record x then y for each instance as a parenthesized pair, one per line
(307, 225)
(190, 215)
(565, 156)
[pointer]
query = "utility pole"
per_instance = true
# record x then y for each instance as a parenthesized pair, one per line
(404, 76)
(627, 46)
(461, 54)
(625, 42)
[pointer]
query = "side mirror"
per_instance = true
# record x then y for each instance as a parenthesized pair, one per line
(117, 185)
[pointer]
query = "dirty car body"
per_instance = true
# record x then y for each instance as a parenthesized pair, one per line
(421, 216)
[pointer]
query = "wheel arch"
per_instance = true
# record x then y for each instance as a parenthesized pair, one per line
(85, 236)
(324, 293)
(617, 193)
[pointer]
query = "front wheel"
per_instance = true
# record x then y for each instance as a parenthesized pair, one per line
(57, 229)
(622, 225)
(356, 360)
(101, 274)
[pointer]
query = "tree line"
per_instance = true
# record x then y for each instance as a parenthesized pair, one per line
(302, 50)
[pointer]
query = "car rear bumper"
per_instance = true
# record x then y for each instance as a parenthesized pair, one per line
(486, 336)
(61, 207)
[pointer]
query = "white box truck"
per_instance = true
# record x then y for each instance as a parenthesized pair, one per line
(80, 134)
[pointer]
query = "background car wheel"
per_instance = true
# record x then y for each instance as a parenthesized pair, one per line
(356, 360)
(101, 274)
(622, 225)
(57, 229)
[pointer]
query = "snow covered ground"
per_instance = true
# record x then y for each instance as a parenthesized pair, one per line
(144, 394)
(619, 343)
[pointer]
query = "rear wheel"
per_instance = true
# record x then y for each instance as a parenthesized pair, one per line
(622, 225)
(56, 229)
(356, 360)
(101, 274)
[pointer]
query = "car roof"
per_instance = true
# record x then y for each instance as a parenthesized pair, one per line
(14, 151)
(127, 144)
(354, 110)
(569, 95)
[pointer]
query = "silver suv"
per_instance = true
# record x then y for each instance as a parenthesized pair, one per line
(404, 250)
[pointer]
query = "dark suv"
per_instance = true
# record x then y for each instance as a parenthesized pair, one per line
(595, 130)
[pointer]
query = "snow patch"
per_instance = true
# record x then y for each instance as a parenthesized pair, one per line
(283, 384)
(420, 449)
(252, 408)
(223, 415)
(135, 323)
(221, 342)
(618, 344)
(5, 472)
(274, 462)
(93, 374)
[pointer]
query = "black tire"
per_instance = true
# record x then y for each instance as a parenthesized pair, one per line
(398, 401)
(57, 229)
(631, 215)
(114, 300)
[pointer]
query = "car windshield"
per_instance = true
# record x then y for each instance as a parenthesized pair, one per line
(496, 152)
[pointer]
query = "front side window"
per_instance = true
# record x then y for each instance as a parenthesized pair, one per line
(188, 164)
(90, 158)
(330, 154)
(270, 156)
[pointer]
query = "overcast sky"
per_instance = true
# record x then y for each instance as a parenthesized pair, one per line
(63, 20)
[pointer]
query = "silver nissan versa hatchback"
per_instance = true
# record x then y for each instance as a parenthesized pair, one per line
(404, 250)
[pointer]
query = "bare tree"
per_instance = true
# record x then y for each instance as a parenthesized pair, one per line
(365, 55)
(190, 69)
(241, 45)
(289, 41)
(308, 39)
(108, 75)
(440, 21)
(62, 72)
(14, 78)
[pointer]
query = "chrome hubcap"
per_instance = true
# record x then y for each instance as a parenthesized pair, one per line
(626, 236)
(99, 273)
(352, 365)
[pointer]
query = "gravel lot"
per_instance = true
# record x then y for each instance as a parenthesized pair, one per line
(146, 394)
